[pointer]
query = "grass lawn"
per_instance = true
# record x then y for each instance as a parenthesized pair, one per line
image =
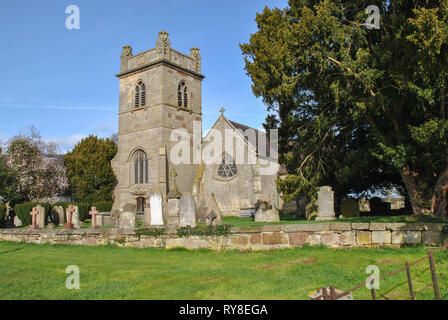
(38, 272)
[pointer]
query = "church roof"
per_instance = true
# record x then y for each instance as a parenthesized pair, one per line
(258, 146)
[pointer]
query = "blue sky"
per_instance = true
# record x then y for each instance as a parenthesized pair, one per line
(62, 81)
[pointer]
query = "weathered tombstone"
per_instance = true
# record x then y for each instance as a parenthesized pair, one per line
(57, 215)
(325, 199)
(34, 214)
(128, 219)
(350, 208)
(187, 211)
(265, 212)
(75, 220)
(115, 217)
(213, 216)
(147, 215)
(69, 212)
(17, 221)
(9, 221)
(93, 213)
(155, 201)
(40, 216)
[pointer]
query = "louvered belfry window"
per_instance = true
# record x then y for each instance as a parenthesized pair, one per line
(140, 95)
(182, 95)
(140, 167)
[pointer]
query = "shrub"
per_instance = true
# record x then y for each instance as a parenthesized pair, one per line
(222, 230)
(2, 213)
(84, 209)
(22, 211)
(103, 206)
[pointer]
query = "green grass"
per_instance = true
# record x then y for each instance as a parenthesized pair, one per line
(38, 272)
(289, 219)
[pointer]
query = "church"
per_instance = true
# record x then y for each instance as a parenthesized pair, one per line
(160, 97)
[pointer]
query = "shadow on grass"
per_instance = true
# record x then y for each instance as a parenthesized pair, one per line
(9, 251)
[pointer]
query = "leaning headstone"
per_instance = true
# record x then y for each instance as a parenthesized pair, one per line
(128, 219)
(325, 200)
(213, 217)
(265, 212)
(40, 216)
(187, 211)
(155, 201)
(350, 208)
(75, 219)
(17, 222)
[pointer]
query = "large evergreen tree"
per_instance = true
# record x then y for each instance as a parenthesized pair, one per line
(355, 106)
(89, 170)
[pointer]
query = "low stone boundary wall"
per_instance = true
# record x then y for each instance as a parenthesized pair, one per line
(244, 238)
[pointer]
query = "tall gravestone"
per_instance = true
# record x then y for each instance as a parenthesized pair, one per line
(187, 211)
(40, 216)
(75, 218)
(155, 202)
(325, 200)
(147, 215)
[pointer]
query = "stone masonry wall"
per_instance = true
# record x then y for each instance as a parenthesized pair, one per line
(338, 235)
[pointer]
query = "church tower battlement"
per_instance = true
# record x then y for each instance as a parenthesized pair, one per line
(160, 90)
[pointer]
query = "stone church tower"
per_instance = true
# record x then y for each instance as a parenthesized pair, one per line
(160, 91)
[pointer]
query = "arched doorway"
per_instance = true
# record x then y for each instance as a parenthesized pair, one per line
(141, 202)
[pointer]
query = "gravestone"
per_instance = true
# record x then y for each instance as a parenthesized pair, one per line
(325, 202)
(17, 222)
(350, 208)
(147, 215)
(187, 211)
(57, 215)
(69, 217)
(265, 212)
(128, 219)
(115, 217)
(155, 202)
(34, 213)
(378, 207)
(213, 216)
(40, 216)
(75, 218)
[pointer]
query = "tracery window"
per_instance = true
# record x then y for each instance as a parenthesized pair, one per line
(227, 168)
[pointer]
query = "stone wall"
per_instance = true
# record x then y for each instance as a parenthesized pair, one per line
(244, 238)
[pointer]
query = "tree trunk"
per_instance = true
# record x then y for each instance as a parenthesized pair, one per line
(410, 179)
(439, 199)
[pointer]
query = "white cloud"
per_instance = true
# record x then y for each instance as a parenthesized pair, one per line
(67, 143)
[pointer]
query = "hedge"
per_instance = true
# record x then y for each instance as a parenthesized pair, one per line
(222, 230)
(2, 213)
(22, 211)
(103, 206)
